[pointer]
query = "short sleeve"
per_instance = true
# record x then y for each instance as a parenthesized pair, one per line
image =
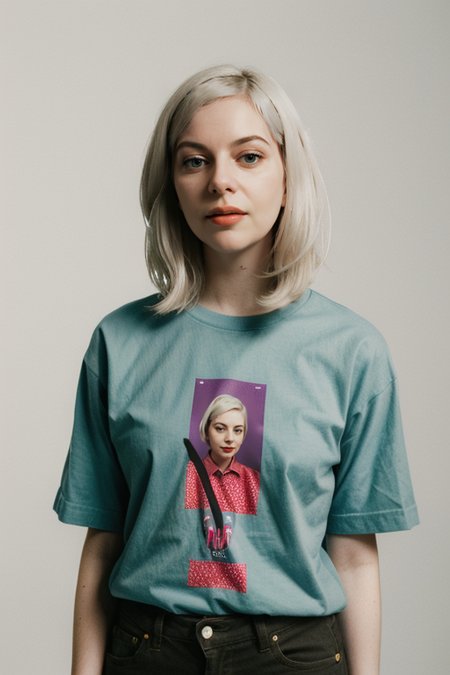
(93, 490)
(373, 491)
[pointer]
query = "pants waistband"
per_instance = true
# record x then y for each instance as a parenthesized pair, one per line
(154, 621)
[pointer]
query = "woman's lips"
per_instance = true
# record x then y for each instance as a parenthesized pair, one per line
(225, 215)
(228, 449)
(226, 218)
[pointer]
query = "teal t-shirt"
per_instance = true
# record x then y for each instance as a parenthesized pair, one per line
(324, 452)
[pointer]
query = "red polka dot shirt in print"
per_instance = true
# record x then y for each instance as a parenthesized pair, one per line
(236, 489)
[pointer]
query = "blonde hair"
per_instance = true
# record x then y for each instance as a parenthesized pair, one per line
(220, 405)
(301, 235)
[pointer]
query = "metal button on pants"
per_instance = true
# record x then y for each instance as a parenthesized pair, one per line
(207, 632)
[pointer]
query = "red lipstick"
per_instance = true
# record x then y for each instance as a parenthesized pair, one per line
(225, 215)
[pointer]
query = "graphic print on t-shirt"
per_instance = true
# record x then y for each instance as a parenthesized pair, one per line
(230, 451)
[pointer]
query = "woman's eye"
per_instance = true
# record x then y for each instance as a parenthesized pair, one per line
(219, 428)
(238, 431)
(251, 158)
(194, 162)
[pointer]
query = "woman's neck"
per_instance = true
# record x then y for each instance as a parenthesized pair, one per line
(222, 465)
(233, 282)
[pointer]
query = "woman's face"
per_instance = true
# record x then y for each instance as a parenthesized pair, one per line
(225, 436)
(229, 176)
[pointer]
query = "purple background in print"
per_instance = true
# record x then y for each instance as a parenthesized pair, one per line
(252, 395)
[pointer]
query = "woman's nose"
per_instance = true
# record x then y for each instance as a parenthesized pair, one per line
(222, 179)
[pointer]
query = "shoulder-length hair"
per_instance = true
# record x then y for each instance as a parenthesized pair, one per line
(301, 234)
(221, 404)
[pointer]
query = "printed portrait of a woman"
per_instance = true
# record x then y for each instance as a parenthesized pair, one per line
(223, 427)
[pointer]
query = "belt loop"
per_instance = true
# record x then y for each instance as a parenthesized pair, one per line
(155, 642)
(261, 632)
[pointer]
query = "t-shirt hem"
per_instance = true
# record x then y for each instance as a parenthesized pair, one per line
(371, 523)
(87, 516)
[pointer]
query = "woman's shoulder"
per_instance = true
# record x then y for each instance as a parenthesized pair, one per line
(135, 311)
(341, 336)
(124, 330)
(132, 319)
(343, 322)
(336, 311)
(246, 471)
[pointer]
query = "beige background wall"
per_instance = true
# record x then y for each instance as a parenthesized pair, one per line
(81, 84)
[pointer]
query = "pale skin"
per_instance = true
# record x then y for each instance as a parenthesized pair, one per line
(94, 605)
(355, 558)
(227, 156)
(217, 166)
(225, 436)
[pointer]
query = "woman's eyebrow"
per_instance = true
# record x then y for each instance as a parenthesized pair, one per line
(247, 139)
(239, 141)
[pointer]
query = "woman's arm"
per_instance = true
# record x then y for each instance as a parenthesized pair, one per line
(94, 604)
(356, 560)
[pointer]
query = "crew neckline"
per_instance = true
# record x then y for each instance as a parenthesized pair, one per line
(246, 323)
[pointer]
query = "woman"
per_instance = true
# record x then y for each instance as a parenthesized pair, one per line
(237, 226)
(223, 428)
(236, 486)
